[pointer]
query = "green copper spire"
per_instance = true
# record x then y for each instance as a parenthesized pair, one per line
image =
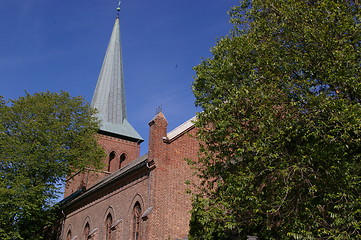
(109, 94)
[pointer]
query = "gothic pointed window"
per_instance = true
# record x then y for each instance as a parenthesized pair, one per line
(108, 227)
(86, 231)
(110, 161)
(122, 159)
(136, 221)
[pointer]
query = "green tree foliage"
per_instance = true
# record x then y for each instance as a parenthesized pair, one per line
(281, 126)
(43, 138)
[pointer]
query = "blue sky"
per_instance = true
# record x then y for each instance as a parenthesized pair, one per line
(60, 45)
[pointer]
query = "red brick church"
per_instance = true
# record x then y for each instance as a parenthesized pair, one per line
(134, 197)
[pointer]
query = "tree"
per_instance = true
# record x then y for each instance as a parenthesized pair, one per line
(43, 138)
(281, 124)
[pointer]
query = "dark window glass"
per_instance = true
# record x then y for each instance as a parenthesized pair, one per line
(122, 159)
(111, 157)
(68, 236)
(86, 231)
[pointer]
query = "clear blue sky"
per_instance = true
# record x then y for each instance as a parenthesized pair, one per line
(60, 45)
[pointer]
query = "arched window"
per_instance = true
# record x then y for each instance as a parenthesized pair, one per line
(108, 227)
(68, 235)
(111, 157)
(122, 159)
(86, 231)
(136, 221)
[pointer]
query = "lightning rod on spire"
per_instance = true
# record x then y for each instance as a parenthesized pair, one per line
(118, 8)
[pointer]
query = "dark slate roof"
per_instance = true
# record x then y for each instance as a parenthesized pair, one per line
(137, 163)
(132, 166)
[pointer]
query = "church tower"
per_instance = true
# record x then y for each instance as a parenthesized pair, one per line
(119, 139)
(132, 197)
(117, 136)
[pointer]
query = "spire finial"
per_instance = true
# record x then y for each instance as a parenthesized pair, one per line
(118, 8)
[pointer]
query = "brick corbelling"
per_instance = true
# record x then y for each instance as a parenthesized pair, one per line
(117, 139)
(119, 145)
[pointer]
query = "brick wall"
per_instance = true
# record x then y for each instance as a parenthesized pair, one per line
(118, 200)
(159, 185)
(170, 216)
(111, 144)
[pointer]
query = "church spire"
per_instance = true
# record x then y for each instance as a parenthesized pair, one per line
(109, 94)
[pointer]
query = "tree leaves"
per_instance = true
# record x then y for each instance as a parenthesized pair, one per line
(43, 138)
(280, 127)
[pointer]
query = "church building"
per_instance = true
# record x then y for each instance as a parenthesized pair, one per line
(135, 197)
